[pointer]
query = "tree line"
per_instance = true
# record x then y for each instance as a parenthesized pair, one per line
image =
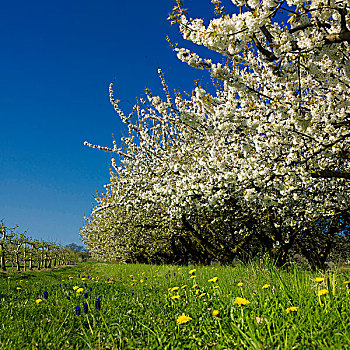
(23, 252)
(258, 163)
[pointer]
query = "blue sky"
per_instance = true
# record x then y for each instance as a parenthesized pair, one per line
(57, 60)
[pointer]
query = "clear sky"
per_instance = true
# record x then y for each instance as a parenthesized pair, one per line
(57, 59)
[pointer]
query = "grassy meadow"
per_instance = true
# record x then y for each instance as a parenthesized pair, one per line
(175, 307)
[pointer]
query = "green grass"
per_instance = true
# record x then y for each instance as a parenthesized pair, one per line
(138, 312)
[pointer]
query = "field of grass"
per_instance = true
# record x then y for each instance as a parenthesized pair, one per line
(175, 307)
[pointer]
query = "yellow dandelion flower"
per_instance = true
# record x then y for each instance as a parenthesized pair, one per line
(83, 279)
(214, 279)
(292, 309)
(202, 295)
(240, 284)
(75, 287)
(241, 301)
(141, 281)
(253, 294)
(215, 312)
(174, 289)
(79, 290)
(346, 282)
(319, 279)
(175, 297)
(265, 286)
(179, 269)
(195, 285)
(38, 301)
(183, 319)
(192, 271)
(322, 292)
(18, 288)
(184, 286)
(197, 291)
(215, 287)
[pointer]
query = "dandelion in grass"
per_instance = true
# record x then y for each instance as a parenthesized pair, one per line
(175, 297)
(215, 287)
(77, 310)
(193, 276)
(191, 272)
(214, 279)
(215, 312)
(174, 289)
(319, 279)
(240, 284)
(347, 283)
(38, 301)
(202, 295)
(322, 292)
(292, 309)
(241, 301)
(75, 287)
(194, 286)
(18, 288)
(79, 290)
(184, 286)
(265, 286)
(46, 295)
(183, 319)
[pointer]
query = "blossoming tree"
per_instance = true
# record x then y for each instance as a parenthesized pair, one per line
(263, 159)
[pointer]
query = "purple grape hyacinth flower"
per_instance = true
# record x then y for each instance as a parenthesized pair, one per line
(85, 308)
(98, 303)
(46, 295)
(77, 310)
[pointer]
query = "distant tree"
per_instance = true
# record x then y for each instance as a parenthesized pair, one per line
(76, 248)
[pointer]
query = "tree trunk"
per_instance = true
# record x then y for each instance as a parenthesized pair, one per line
(2, 258)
